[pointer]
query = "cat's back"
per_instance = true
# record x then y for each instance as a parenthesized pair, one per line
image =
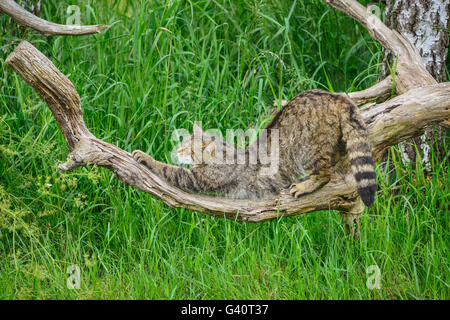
(309, 127)
(312, 107)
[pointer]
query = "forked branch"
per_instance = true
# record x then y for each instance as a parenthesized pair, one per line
(27, 19)
(389, 123)
(409, 69)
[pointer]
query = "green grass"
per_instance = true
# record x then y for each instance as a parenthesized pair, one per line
(159, 68)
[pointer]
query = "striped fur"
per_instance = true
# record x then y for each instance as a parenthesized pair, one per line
(354, 134)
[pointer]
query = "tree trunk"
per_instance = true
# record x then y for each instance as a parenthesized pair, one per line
(424, 23)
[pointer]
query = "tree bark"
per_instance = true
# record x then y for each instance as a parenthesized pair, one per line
(425, 24)
(33, 6)
(27, 19)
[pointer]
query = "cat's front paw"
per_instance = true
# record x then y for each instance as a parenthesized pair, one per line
(142, 158)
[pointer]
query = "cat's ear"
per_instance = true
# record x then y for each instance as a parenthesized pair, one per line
(197, 130)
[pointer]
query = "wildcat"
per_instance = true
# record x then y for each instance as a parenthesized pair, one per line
(315, 130)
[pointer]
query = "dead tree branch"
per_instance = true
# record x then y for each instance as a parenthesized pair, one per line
(45, 27)
(377, 93)
(389, 123)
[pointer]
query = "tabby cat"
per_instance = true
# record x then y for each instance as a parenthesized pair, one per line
(315, 129)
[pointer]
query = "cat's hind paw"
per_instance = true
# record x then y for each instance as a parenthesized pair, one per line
(298, 189)
(309, 185)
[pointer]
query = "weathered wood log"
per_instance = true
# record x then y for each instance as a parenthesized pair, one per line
(389, 123)
(27, 19)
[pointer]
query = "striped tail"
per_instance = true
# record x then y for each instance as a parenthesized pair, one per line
(355, 136)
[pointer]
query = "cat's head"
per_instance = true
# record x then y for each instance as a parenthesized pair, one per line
(198, 148)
